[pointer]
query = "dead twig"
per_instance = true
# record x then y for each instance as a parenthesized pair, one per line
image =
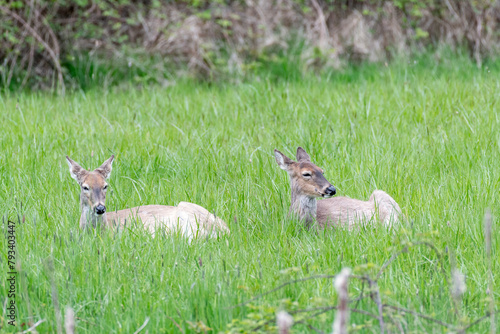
(440, 261)
(420, 315)
(86, 321)
(55, 299)
(376, 298)
(475, 322)
(282, 286)
(142, 326)
(31, 55)
(176, 324)
(317, 330)
(32, 328)
(388, 262)
(358, 300)
(324, 36)
(53, 56)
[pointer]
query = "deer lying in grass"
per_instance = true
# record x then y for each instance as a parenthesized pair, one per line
(188, 219)
(308, 183)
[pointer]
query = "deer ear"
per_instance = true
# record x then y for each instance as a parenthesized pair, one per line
(77, 172)
(105, 168)
(302, 155)
(283, 161)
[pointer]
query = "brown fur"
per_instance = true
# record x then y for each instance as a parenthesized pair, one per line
(189, 219)
(334, 211)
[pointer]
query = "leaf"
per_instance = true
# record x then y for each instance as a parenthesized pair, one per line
(224, 23)
(16, 4)
(11, 38)
(205, 15)
(82, 3)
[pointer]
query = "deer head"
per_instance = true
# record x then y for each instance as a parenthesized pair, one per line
(306, 179)
(93, 187)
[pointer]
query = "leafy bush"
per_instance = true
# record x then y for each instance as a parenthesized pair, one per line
(46, 43)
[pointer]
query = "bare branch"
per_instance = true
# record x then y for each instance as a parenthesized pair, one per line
(176, 324)
(281, 286)
(440, 260)
(33, 33)
(475, 322)
(420, 315)
(387, 263)
(376, 298)
(142, 326)
(32, 328)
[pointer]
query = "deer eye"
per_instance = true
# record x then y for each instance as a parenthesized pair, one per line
(105, 187)
(306, 175)
(85, 187)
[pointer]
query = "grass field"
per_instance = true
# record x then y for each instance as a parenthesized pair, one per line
(427, 134)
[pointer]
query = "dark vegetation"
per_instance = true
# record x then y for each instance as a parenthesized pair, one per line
(52, 44)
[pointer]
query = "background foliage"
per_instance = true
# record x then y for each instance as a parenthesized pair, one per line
(50, 43)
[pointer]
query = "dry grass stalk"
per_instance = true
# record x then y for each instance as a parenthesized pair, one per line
(458, 284)
(375, 294)
(142, 326)
(55, 299)
(488, 222)
(32, 329)
(342, 316)
(284, 322)
(69, 321)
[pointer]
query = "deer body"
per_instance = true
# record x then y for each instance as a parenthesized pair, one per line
(348, 212)
(307, 183)
(188, 219)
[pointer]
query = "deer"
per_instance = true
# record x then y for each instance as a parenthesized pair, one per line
(188, 219)
(307, 184)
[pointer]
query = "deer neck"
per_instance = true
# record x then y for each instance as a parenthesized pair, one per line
(303, 206)
(88, 218)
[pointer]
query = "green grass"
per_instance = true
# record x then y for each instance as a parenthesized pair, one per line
(427, 134)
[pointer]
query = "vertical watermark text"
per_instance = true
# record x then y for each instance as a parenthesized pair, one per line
(11, 272)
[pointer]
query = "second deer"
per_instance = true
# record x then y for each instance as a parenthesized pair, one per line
(188, 219)
(307, 183)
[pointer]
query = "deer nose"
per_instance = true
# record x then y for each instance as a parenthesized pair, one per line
(100, 209)
(331, 191)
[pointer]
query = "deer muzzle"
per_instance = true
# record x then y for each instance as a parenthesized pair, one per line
(100, 209)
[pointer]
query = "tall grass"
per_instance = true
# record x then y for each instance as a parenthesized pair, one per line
(428, 135)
